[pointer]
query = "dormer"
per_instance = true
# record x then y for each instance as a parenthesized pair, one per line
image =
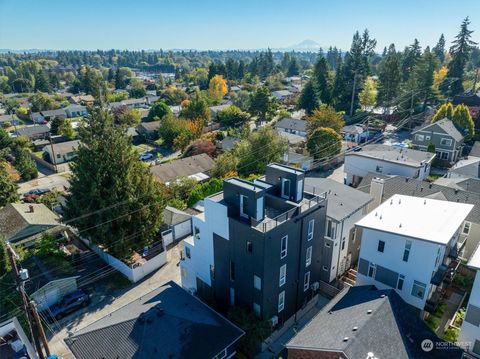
(288, 181)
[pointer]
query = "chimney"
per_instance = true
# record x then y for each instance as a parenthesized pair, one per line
(376, 191)
(31, 209)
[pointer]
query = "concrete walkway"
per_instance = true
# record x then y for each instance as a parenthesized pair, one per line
(170, 271)
(278, 345)
(452, 305)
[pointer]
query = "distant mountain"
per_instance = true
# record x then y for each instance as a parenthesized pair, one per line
(306, 45)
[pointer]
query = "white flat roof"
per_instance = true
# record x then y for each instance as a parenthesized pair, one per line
(423, 218)
(474, 261)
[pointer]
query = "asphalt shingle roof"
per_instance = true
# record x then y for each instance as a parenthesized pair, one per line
(343, 200)
(392, 330)
(32, 130)
(447, 126)
(165, 323)
(184, 167)
(291, 123)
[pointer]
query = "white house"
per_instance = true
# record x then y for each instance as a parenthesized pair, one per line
(409, 244)
(470, 331)
(61, 152)
(387, 160)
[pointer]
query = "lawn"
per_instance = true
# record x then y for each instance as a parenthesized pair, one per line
(143, 148)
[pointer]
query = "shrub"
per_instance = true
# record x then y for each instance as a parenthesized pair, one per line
(451, 335)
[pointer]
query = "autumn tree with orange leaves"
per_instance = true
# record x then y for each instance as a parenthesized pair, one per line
(217, 88)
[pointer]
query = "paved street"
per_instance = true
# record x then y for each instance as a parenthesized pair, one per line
(109, 302)
(54, 181)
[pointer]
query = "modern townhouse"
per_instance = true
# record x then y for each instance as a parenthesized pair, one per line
(443, 134)
(410, 244)
(386, 160)
(346, 206)
(258, 244)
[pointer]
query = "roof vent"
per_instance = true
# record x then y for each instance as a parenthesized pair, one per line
(345, 339)
(382, 296)
(400, 225)
(355, 329)
(391, 201)
(380, 216)
(399, 201)
(376, 214)
(430, 185)
(369, 311)
(424, 201)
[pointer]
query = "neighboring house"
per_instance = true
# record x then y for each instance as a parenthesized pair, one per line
(195, 167)
(82, 99)
(134, 135)
(135, 102)
(22, 222)
(53, 291)
(51, 114)
(470, 331)
(214, 110)
(257, 245)
(168, 322)
(76, 110)
(291, 138)
(297, 160)
(9, 119)
(444, 135)
(411, 244)
(475, 151)
(466, 168)
(383, 187)
(152, 98)
(175, 110)
(62, 152)
(176, 225)
(293, 126)
(282, 95)
(227, 143)
(346, 206)
(354, 133)
(14, 343)
(37, 117)
(386, 160)
(38, 132)
(148, 130)
(367, 323)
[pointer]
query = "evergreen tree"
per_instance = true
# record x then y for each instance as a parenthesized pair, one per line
(424, 73)
(368, 96)
(446, 110)
(8, 188)
(42, 82)
(4, 261)
(262, 104)
(411, 55)
(66, 129)
(324, 143)
(293, 68)
(158, 111)
(390, 77)
(321, 80)
(460, 50)
(308, 98)
(463, 120)
(113, 200)
(439, 49)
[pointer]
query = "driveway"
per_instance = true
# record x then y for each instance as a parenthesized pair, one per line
(57, 181)
(105, 302)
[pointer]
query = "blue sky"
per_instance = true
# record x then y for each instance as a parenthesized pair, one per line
(227, 24)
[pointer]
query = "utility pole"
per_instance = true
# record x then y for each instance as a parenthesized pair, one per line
(38, 323)
(353, 92)
(54, 159)
(26, 306)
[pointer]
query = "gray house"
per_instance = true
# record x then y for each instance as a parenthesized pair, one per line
(444, 135)
(258, 245)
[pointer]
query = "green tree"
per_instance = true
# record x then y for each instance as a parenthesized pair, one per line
(446, 110)
(42, 102)
(390, 77)
(110, 182)
(325, 116)
(225, 164)
(368, 96)
(463, 120)
(324, 143)
(42, 82)
(321, 79)
(262, 104)
(431, 148)
(197, 109)
(122, 77)
(66, 129)
(308, 99)
(424, 73)
(172, 128)
(159, 111)
(439, 49)
(25, 165)
(4, 261)
(8, 188)
(411, 55)
(232, 116)
(203, 190)
(126, 116)
(460, 51)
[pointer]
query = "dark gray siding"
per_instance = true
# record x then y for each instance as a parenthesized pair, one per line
(473, 315)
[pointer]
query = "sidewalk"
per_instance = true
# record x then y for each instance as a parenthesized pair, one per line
(277, 346)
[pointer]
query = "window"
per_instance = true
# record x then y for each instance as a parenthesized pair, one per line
(306, 281)
(379, 169)
(372, 268)
(283, 247)
(466, 228)
(325, 268)
(427, 138)
(281, 301)
(328, 244)
(400, 281)
(343, 244)
(283, 275)
(381, 246)
(249, 246)
(257, 282)
(330, 229)
(311, 225)
(257, 309)
(418, 289)
(419, 138)
(406, 252)
(446, 141)
(232, 271)
(444, 155)
(243, 206)
(232, 296)
(438, 257)
(285, 188)
(187, 252)
(308, 259)
(196, 232)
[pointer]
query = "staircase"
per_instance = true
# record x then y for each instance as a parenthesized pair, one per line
(350, 277)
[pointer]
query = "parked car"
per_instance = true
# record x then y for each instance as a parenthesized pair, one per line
(69, 303)
(37, 191)
(146, 157)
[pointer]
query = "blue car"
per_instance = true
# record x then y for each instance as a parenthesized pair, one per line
(69, 303)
